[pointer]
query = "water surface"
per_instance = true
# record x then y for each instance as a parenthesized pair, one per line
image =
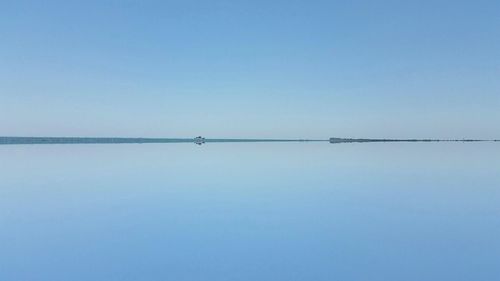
(250, 211)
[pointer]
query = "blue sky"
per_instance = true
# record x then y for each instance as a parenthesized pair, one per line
(250, 68)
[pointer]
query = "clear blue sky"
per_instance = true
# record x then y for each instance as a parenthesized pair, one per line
(250, 68)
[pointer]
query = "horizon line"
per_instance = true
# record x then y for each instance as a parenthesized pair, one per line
(10, 140)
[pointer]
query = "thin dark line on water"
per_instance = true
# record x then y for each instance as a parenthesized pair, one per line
(200, 140)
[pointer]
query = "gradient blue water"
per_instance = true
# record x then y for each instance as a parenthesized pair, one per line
(303, 211)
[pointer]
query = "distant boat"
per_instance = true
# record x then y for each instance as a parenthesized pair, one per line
(199, 140)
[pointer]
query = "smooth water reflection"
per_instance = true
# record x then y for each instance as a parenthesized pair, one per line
(294, 211)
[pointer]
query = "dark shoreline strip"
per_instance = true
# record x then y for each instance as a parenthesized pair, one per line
(352, 140)
(85, 140)
(77, 140)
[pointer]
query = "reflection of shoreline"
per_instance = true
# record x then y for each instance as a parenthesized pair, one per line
(197, 140)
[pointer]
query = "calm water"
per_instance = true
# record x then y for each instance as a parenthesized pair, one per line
(293, 211)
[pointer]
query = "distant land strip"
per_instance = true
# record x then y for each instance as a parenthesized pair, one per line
(353, 140)
(200, 140)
